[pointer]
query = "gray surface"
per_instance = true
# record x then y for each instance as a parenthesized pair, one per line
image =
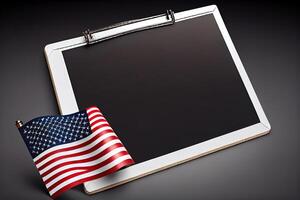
(267, 39)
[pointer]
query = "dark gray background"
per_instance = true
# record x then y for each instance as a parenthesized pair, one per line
(266, 36)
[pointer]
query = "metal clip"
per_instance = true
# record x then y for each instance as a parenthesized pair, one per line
(170, 14)
(89, 39)
(88, 36)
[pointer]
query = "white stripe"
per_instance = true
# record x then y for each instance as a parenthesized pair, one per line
(98, 124)
(112, 142)
(96, 118)
(93, 114)
(88, 164)
(92, 109)
(101, 138)
(72, 143)
(92, 173)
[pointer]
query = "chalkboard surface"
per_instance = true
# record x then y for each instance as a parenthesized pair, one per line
(163, 89)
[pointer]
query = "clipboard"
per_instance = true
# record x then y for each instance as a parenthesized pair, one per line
(238, 125)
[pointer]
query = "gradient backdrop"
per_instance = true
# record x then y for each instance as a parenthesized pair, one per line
(266, 36)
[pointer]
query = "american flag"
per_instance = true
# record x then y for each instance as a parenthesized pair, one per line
(71, 149)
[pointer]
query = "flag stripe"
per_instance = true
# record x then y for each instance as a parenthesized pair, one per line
(97, 118)
(93, 166)
(74, 166)
(56, 193)
(92, 108)
(76, 177)
(97, 124)
(97, 169)
(94, 115)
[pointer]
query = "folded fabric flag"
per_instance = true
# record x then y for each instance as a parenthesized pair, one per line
(71, 149)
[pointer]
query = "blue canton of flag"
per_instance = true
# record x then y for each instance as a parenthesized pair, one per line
(43, 133)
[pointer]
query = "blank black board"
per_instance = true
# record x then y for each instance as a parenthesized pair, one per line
(163, 89)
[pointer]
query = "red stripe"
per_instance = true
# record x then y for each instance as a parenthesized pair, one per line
(73, 147)
(98, 115)
(95, 111)
(107, 161)
(97, 121)
(105, 173)
(75, 161)
(92, 108)
(89, 168)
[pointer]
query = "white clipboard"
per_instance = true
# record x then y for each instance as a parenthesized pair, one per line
(67, 101)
